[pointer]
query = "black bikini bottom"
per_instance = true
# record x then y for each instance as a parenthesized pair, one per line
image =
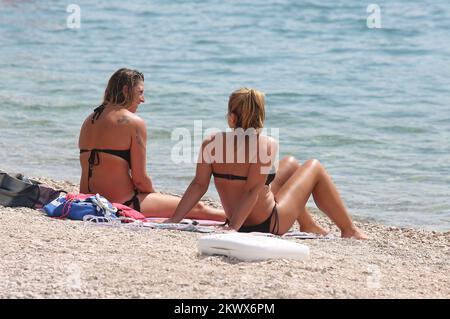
(135, 201)
(264, 227)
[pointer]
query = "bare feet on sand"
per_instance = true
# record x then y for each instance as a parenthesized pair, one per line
(353, 233)
(314, 229)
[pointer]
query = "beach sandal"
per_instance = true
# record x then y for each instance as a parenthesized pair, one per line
(123, 222)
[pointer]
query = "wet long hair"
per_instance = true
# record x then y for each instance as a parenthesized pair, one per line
(114, 94)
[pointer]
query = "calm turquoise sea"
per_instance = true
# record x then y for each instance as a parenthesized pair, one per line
(372, 104)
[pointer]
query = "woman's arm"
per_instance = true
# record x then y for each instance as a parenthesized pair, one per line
(196, 189)
(139, 175)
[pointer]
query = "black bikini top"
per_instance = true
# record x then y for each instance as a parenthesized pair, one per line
(94, 159)
(270, 177)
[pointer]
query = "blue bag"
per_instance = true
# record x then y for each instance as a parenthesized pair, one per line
(76, 206)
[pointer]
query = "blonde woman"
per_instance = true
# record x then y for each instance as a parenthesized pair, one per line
(254, 197)
(113, 148)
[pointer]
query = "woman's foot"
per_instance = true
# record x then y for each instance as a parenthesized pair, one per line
(353, 233)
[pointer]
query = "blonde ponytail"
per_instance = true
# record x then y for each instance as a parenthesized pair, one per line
(248, 106)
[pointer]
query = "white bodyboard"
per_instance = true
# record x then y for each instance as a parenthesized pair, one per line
(248, 247)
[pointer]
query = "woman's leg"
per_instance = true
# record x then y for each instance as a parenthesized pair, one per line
(312, 178)
(287, 167)
(162, 205)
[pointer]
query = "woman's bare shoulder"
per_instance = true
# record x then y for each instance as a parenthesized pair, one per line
(85, 126)
(125, 117)
(213, 137)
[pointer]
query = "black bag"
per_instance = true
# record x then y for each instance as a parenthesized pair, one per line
(19, 191)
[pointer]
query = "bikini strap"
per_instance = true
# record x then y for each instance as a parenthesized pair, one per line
(276, 225)
(97, 112)
(94, 160)
(135, 201)
(230, 176)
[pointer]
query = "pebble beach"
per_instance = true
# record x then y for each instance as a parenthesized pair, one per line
(43, 257)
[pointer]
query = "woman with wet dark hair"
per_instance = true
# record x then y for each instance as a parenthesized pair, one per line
(113, 152)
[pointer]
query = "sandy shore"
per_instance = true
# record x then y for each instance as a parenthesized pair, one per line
(47, 258)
